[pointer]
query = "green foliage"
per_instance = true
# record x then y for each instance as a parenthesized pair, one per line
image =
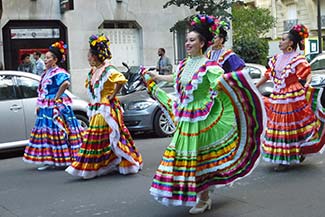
(249, 27)
(251, 21)
(251, 49)
(210, 7)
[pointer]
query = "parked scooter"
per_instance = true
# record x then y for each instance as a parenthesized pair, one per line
(134, 83)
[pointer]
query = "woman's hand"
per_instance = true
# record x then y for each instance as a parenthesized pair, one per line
(154, 75)
(36, 110)
(111, 97)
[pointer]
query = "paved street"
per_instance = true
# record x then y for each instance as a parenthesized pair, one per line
(26, 192)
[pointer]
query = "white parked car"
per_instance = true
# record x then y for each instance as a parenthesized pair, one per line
(18, 94)
(256, 71)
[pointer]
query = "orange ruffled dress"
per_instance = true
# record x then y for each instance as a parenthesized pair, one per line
(295, 116)
(108, 145)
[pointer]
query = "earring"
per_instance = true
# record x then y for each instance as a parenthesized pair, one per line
(289, 49)
(201, 52)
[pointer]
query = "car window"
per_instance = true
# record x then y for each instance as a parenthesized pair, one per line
(28, 87)
(7, 88)
(252, 71)
(318, 64)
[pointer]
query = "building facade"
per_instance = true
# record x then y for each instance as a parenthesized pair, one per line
(291, 12)
(136, 28)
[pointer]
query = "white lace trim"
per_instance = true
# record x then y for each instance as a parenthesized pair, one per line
(96, 97)
(114, 136)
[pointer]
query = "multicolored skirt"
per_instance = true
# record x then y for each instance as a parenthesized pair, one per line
(295, 126)
(215, 151)
(108, 145)
(56, 138)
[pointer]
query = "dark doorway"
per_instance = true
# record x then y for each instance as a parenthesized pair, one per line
(27, 36)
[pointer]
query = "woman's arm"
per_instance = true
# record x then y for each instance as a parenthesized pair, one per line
(262, 81)
(61, 90)
(116, 91)
(308, 80)
(157, 77)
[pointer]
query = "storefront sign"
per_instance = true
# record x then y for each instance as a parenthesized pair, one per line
(66, 5)
(35, 33)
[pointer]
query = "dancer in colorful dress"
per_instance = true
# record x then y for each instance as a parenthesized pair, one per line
(229, 60)
(218, 125)
(108, 145)
(56, 138)
(295, 118)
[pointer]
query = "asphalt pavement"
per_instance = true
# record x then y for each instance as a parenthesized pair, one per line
(26, 192)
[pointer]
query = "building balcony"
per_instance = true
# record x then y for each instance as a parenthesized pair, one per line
(288, 24)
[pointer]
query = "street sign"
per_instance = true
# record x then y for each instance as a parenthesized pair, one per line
(35, 33)
(313, 46)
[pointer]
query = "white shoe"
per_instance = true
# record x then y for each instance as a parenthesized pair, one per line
(197, 210)
(46, 166)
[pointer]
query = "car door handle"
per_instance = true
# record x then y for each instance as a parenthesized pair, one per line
(15, 107)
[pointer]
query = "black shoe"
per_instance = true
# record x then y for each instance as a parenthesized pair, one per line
(302, 158)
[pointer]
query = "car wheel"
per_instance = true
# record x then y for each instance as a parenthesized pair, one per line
(162, 127)
(83, 120)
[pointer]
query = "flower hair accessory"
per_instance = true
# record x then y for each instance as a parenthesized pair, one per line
(301, 30)
(221, 23)
(301, 33)
(60, 46)
(209, 20)
(100, 44)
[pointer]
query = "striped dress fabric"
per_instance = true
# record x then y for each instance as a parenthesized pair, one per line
(295, 115)
(57, 135)
(108, 145)
(219, 122)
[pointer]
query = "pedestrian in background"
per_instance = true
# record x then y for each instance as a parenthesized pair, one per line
(39, 63)
(108, 145)
(228, 60)
(164, 66)
(26, 64)
(295, 119)
(57, 135)
(218, 125)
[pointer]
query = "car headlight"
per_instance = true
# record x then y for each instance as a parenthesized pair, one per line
(139, 105)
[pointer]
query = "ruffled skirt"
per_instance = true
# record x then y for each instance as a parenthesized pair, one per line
(56, 138)
(216, 151)
(295, 125)
(108, 145)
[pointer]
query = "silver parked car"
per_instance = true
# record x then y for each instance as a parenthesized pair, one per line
(18, 94)
(142, 113)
